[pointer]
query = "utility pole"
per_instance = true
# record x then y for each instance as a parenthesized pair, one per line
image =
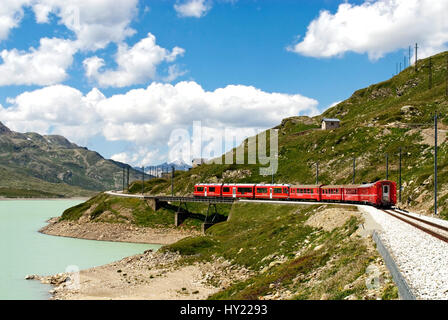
(447, 75)
(123, 179)
(399, 183)
(387, 166)
(317, 172)
(172, 180)
(396, 68)
(435, 163)
(354, 170)
(128, 180)
(416, 51)
(143, 179)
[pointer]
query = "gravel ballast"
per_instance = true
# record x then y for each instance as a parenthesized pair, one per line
(421, 258)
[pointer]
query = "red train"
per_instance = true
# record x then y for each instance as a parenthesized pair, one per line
(381, 193)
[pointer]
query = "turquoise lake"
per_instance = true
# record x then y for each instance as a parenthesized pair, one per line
(23, 250)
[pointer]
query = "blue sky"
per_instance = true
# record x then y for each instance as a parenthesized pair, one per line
(119, 76)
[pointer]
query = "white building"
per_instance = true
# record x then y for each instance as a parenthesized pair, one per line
(329, 124)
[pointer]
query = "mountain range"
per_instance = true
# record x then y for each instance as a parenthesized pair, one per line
(160, 169)
(34, 165)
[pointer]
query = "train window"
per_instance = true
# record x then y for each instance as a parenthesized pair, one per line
(211, 189)
(262, 190)
(200, 189)
(226, 189)
(245, 190)
(277, 190)
(285, 190)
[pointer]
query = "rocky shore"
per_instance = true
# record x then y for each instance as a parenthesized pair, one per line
(149, 276)
(115, 232)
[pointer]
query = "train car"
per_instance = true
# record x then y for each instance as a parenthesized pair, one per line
(331, 193)
(208, 190)
(381, 193)
(272, 191)
(238, 190)
(305, 192)
(388, 193)
(350, 193)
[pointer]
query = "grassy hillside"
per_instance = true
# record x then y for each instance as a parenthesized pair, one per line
(288, 258)
(105, 208)
(380, 119)
(16, 184)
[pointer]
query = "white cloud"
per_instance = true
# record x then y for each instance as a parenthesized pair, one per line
(11, 13)
(55, 109)
(376, 28)
(43, 66)
(142, 156)
(192, 8)
(146, 117)
(135, 65)
(95, 23)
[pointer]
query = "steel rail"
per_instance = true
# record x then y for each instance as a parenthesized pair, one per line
(432, 224)
(416, 225)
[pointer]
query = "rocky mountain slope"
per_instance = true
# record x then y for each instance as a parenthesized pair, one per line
(51, 166)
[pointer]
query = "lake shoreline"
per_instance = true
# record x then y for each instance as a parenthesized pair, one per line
(115, 232)
(26, 251)
(46, 199)
(150, 275)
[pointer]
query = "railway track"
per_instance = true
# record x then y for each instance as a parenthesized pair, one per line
(436, 230)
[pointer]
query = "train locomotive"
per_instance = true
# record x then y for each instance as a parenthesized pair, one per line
(381, 193)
